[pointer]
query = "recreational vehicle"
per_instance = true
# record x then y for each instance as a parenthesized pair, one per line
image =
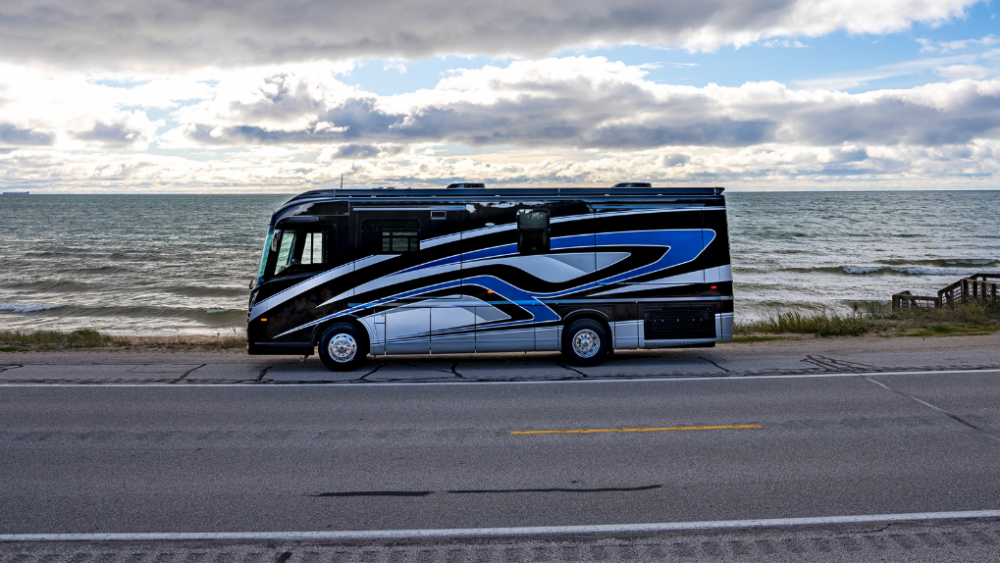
(466, 269)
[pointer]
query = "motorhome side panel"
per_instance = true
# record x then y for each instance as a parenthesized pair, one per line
(445, 275)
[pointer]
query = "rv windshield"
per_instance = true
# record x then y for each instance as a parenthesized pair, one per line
(264, 253)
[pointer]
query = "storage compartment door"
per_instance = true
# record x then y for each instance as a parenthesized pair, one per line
(488, 339)
(453, 329)
(680, 322)
(546, 337)
(408, 330)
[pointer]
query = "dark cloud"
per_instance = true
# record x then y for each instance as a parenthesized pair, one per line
(183, 33)
(13, 135)
(353, 151)
(602, 105)
(114, 135)
(894, 120)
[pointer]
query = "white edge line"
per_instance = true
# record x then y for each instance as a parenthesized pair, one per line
(609, 379)
(494, 532)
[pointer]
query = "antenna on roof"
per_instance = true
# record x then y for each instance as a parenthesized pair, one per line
(341, 180)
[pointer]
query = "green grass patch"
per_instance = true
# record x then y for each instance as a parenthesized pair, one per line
(41, 341)
(798, 323)
(55, 339)
(966, 319)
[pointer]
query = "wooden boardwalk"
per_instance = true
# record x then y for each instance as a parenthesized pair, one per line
(977, 287)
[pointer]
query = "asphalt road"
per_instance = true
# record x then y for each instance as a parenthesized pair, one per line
(145, 448)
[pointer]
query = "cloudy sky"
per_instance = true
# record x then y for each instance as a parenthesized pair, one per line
(261, 95)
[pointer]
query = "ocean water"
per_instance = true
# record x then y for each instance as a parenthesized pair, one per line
(180, 264)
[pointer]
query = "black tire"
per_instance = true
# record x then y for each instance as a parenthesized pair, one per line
(343, 336)
(578, 345)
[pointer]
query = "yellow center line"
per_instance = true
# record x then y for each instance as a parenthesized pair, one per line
(662, 429)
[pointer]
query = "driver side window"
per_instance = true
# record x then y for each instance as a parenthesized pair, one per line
(300, 251)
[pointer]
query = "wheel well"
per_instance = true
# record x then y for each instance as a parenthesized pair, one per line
(588, 314)
(360, 326)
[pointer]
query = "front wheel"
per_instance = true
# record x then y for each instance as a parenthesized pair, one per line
(585, 342)
(342, 347)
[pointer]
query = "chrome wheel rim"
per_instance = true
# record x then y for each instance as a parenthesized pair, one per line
(586, 343)
(342, 347)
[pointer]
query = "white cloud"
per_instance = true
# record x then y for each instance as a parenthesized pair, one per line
(75, 111)
(786, 43)
(958, 72)
(280, 169)
(568, 121)
(928, 46)
(846, 82)
(173, 34)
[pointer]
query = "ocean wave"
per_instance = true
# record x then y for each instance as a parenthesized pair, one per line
(205, 291)
(862, 269)
(945, 263)
(204, 316)
(915, 271)
(880, 270)
(26, 307)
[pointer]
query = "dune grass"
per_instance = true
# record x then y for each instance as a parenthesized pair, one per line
(55, 339)
(875, 318)
(23, 341)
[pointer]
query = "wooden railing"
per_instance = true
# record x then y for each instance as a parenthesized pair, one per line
(978, 287)
(906, 300)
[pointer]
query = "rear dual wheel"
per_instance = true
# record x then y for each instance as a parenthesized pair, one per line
(585, 342)
(342, 347)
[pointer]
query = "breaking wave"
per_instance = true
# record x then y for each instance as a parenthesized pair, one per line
(26, 307)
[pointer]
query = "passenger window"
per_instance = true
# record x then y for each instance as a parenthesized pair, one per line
(390, 236)
(532, 231)
(299, 251)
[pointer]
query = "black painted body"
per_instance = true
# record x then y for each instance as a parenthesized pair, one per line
(635, 236)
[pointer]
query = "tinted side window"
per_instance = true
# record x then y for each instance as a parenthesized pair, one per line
(299, 251)
(390, 236)
(532, 231)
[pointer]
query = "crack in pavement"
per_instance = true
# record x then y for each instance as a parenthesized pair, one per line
(6, 367)
(377, 494)
(564, 366)
(487, 491)
(263, 372)
(714, 364)
(831, 364)
(188, 372)
(455, 371)
(362, 378)
(954, 417)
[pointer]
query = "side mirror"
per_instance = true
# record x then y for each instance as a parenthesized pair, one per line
(276, 241)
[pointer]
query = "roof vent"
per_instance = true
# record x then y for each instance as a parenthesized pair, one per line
(633, 185)
(466, 185)
(385, 188)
